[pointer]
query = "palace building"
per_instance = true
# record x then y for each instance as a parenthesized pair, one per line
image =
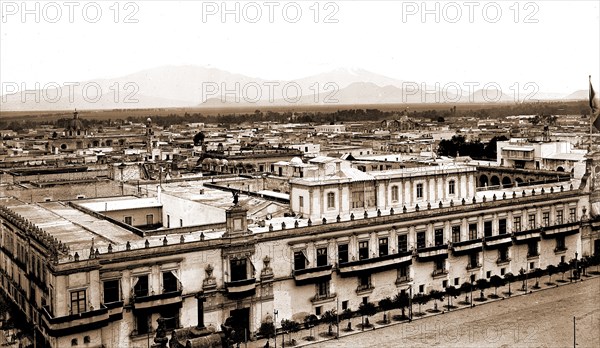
(97, 273)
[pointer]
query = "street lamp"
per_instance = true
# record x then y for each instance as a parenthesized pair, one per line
(275, 312)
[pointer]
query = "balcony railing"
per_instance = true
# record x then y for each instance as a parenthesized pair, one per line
(152, 300)
(467, 246)
(560, 250)
(472, 266)
(534, 254)
(75, 323)
(403, 280)
(375, 264)
(432, 251)
(364, 288)
(312, 274)
(241, 286)
(320, 298)
(502, 261)
(439, 273)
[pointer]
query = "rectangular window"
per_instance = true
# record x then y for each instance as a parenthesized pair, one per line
(474, 260)
(394, 193)
(487, 228)
(239, 269)
(532, 249)
(180, 222)
(472, 231)
(503, 254)
(344, 305)
(170, 282)
(559, 217)
(451, 188)
(321, 257)
(363, 250)
(141, 286)
(421, 288)
(546, 218)
(455, 234)
(299, 260)
(573, 214)
(502, 226)
(560, 243)
(439, 265)
(112, 291)
(531, 221)
(78, 302)
(142, 322)
(402, 243)
(420, 240)
(150, 219)
(301, 202)
(419, 190)
(383, 246)
(364, 282)
(439, 236)
(330, 200)
(323, 289)
(129, 220)
(517, 224)
(342, 253)
(403, 272)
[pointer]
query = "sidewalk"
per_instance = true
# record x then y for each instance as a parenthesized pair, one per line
(320, 332)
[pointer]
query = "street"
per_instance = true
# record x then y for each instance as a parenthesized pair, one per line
(540, 319)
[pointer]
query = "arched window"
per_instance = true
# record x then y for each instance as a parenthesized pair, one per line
(394, 193)
(451, 187)
(331, 200)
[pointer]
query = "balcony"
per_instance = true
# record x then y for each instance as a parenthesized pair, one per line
(503, 261)
(403, 280)
(497, 241)
(164, 298)
(75, 323)
(473, 266)
(243, 287)
(376, 264)
(560, 230)
(424, 254)
(518, 153)
(312, 275)
(560, 250)
(533, 255)
(364, 289)
(322, 298)
(467, 246)
(525, 236)
(439, 273)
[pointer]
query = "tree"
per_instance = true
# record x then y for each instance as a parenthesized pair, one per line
(386, 305)
(551, 270)
(509, 277)
(420, 299)
(496, 281)
(367, 309)
(401, 300)
(482, 284)
(537, 273)
(199, 139)
(466, 288)
(436, 295)
(289, 326)
(330, 318)
(451, 292)
(563, 267)
(267, 329)
(309, 322)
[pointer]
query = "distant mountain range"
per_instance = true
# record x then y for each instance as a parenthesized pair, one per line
(200, 86)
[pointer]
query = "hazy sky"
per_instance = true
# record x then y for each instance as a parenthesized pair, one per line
(553, 43)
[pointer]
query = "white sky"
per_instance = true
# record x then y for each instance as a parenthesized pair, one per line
(558, 52)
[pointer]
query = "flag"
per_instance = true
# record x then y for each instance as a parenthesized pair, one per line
(595, 106)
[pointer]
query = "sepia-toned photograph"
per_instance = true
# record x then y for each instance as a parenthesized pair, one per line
(308, 173)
